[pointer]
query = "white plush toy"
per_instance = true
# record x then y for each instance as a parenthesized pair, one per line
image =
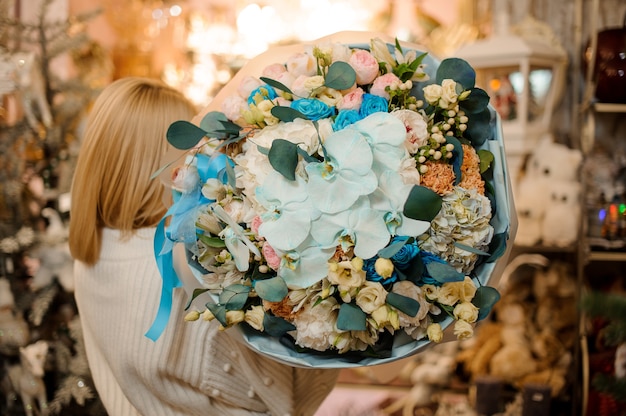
(550, 167)
(562, 218)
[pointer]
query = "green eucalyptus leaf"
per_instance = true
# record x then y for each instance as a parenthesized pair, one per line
(234, 297)
(497, 246)
(393, 248)
(457, 158)
(184, 135)
(263, 150)
(422, 204)
(340, 76)
(485, 299)
(160, 170)
(476, 102)
(271, 290)
(458, 70)
(194, 295)
(286, 114)
(479, 127)
(219, 311)
(470, 249)
(275, 326)
(404, 304)
(444, 272)
(215, 122)
(283, 157)
(486, 159)
(209, 241)
(351, 318)
(309, 158)
(276, 84)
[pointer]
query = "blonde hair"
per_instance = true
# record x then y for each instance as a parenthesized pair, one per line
(124, 145)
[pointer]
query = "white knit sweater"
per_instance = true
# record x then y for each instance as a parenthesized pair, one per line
(192, 369)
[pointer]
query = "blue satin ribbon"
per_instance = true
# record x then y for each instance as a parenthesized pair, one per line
(181, 229)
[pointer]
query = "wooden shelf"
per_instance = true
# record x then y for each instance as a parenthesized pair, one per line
(607, 256)
(609, 108)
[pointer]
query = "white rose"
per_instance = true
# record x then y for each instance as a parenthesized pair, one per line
(432, 93)
(371, 296)
(312, 84)
(448, 93)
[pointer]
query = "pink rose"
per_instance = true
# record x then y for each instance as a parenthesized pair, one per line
(248, 84)
(233, 107)
(272, 71)
(272, 259)
(365, 65)
(301, 64)
(352, 100)
(380, 83)
(256, 223)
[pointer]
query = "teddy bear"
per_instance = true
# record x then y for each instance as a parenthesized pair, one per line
(561, 220)
(549, 169)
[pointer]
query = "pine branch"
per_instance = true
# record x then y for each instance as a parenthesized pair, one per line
(610, 385)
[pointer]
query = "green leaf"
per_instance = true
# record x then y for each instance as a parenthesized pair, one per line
(184, 135)
(470, 249)
(479, 128)
(486, 159)
(393, 248)
(194, 295)
(230, 174)
(340, 76)
(477, 101)
(286, 114)
(275, 326)
(351, 318)
(215, 124)
(309, 158)
(160, 170)
(444, 272)
(484, 299)
(219, 311)
(422, 204)
(404, 304)
(263, 150)
(234, 297)
(283, 157)
(458, 70)
(276, 84)
(214, 242)
(497, 247)
(271, 290)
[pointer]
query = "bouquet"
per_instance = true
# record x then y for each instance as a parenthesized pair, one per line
(343, 204)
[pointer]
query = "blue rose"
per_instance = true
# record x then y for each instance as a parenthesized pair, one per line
(345, 118)
(264, 92)
(373, 104)
(405, 255)
(313, 109)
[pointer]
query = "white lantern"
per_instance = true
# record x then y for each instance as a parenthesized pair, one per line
(523, 71)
